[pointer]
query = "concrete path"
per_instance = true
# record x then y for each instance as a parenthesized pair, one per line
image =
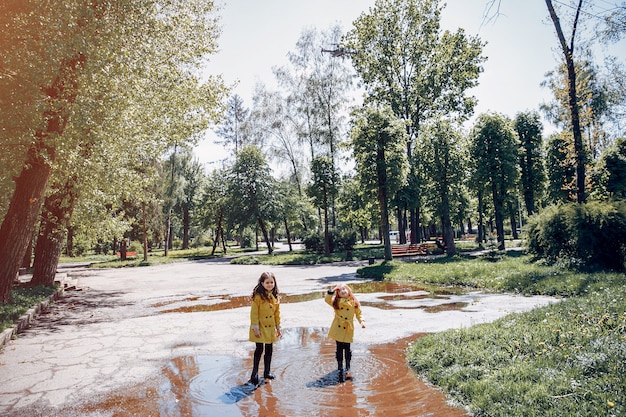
(121, 326)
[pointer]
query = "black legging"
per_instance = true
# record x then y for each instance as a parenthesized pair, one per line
(343, 349)
(267, 359)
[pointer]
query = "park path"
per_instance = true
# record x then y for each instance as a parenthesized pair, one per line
(171, 340)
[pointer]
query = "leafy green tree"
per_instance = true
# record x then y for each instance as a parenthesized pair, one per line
(100, 69)
(317, 86)
(323, 190)
(377, 140)
(251, 191)
(357, 207)
(614, 163)
(442, 147)
(494, 149)
(234, 126)
(212, 207)
(407, 62)
(561, 170)
(528, 128)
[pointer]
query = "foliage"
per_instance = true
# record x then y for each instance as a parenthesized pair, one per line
(562, 360)
(251, 192)
(588, 236)
(339, 241)
(613, 165)
(22, 300)
(531, 159)
(494, 152)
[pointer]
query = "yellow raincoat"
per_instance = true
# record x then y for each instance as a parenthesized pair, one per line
(342, 328)
(265, 316)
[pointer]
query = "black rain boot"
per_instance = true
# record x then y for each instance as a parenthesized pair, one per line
(339, 356)
(348, 359)
(254, 378)
(267, 363)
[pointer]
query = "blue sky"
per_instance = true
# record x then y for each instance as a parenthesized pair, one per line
(521, 47)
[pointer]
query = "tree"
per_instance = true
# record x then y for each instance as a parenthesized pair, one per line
(377, 141)
(406, 62)
(528, 128)
(317, 87)
(357, 207)
(445, 172)
(568, 56)
(610, 29)
(101, 73)
(212, 207)
(323, 190)
(561, 169)
(252, 191)
(614, 164)
(494, 151)
(233, 129)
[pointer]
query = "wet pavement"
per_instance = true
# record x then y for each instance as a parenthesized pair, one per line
(172, 341)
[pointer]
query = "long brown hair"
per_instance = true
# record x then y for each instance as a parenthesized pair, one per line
(260, 289)
(351, 296)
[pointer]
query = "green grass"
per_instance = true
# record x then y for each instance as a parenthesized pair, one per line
(22, 300)
(566, 359)
(515, 273)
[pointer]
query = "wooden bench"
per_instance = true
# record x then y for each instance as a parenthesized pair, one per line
(408, 250)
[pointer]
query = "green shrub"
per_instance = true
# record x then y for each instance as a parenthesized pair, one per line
(585, 236)
(136, 247)
(339, 241)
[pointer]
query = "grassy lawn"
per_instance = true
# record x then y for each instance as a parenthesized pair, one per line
(23, 299)
(566, 359)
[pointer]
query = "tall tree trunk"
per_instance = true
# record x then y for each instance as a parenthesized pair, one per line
(498, 208)
(144, 227)
(186, 222)
(288, 232)
(19, 222)
(568, 54)
(265, 235)
(27, 255)
(55, 217)
(446, 225)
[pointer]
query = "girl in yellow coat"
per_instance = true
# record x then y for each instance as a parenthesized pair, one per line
(264, 323)
(346, 307)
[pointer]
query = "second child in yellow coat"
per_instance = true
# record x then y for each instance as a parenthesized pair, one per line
(347, 308)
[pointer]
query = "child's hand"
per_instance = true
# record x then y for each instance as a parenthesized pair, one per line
(257, 332)
(279, 333)
(362, 325)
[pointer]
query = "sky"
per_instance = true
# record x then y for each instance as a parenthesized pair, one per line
(257, 35)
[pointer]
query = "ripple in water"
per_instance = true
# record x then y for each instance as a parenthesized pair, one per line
(306, 383)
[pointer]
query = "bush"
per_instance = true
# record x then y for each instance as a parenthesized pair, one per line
(585, 236)
(136, 247)
(339, 241)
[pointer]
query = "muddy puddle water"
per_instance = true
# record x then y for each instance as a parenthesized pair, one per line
(306, 384)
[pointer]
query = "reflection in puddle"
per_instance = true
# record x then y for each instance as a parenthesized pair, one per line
(398, 292)
(305, 384)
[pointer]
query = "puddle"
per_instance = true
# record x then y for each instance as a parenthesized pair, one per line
(306, 384)
(397, 291)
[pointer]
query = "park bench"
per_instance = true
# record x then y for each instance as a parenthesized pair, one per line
(408, 250)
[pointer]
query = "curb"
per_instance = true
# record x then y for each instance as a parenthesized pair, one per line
(27, 318)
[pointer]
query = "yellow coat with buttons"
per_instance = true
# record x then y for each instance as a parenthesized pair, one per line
(265, 316)
(342, 328)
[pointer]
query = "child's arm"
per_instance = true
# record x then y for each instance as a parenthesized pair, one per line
(277, 320)
(359, 316)
(254, 316)
(329, 297)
